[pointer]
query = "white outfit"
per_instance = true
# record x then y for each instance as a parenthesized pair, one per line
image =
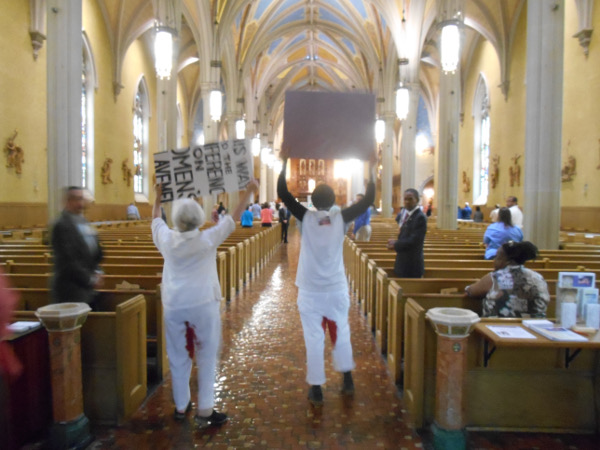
(516, 216)
(191, 297)
(323, 299)
(494, 215)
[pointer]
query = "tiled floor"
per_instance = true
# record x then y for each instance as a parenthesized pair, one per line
(261, 386)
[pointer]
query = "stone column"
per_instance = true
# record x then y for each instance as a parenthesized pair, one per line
(452, 326)
(543, 130)
(387, 161)
(446, 163)
(407, 146)
(71, 428)
(233, 198)
(63, 99)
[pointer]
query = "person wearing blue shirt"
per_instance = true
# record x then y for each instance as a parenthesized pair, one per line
(256, 209)
(247, 218)
(500, 232)
(362, 224)
(466, 212)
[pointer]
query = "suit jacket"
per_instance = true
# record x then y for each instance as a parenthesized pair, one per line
(410, 262)
(75, 262)
(284, 214)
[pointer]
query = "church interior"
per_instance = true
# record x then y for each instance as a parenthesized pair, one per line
(475, 101)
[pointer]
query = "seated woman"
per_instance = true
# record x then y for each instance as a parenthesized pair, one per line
(512, 290)
(266, 215)
(500, 232)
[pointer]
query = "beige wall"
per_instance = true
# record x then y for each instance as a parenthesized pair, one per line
(581, 112)
(22, 106)
(507, 117)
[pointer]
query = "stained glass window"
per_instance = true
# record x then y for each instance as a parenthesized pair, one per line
(138, 142)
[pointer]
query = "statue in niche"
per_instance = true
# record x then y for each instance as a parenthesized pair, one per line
(321, 168)
(15, 157)
(105, 171)
(515, 171)
(302, 167)
(127, 174)
(495, 172)
(341, 186)
(567, 172)
(466, 182)
(311, 166)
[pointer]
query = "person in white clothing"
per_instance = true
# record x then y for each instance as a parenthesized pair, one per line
(515, 212)
(191, 297)
(323, 298)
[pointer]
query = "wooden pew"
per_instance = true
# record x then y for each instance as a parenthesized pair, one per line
(522, 388)
(30, 299)
(113, 354)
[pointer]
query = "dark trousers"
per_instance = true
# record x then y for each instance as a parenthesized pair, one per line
(284, 230)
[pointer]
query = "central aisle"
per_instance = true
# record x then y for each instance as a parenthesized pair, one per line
(261, 383)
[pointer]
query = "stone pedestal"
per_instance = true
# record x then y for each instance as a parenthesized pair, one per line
(63, 321)
(452, 326)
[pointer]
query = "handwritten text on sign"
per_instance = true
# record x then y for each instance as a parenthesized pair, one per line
(204, 170)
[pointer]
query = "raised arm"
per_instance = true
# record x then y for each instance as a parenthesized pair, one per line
(353, 211)
(294, 206)
(156, 212)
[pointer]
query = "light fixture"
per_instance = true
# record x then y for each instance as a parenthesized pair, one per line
(278, 166)
(163, 52)
(379, 131)
(240, 129)
(216, 103)
(255, 146)
(264, 155)
(402, 100)
(421, 143)
(450, 47)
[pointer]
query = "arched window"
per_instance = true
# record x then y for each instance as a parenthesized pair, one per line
(140, 141)
(481, 149)
(88, 86)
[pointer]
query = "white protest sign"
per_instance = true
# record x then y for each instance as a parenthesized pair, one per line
(204, 170)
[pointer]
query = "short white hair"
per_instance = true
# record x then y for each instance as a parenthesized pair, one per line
(187, 214)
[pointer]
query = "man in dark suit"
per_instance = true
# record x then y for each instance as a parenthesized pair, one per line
(77, 253)
(284, 220)
(410, 262)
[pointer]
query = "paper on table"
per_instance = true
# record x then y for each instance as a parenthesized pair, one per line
(18, 327)
(511, 332)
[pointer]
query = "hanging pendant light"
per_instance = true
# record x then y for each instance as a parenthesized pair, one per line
(216, 105)
(163, 52)
(450, 51)
(379, 131)
(255, 146)
(402, 99)
(240, 129)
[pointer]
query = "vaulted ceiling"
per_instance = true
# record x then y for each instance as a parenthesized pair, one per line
(269, 46)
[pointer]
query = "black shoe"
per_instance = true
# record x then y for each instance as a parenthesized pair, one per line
(315, 395)
(348, 384)
(180, 417)
(216, 419)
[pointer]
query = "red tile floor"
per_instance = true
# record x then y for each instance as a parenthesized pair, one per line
(261, 386)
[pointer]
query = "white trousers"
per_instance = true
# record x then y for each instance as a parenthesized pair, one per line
(193, 331)
(319, 312)
(364, 234)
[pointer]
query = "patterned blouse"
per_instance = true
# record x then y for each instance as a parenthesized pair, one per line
(516, 292)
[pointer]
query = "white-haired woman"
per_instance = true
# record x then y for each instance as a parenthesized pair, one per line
(191, 297)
